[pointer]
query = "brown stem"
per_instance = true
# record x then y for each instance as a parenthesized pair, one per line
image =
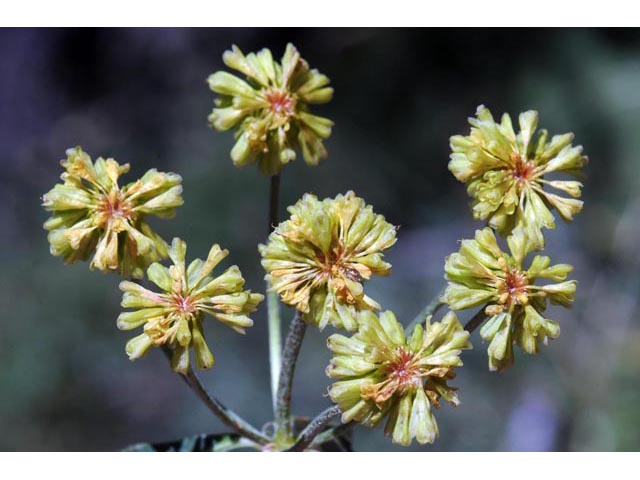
(475, 321)
(292, 346)
(314, 427)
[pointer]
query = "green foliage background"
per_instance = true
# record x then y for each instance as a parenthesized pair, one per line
(140, 96)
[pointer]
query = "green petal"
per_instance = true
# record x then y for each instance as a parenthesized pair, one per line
(225, 83)
(401, 428)
(138, 346)
(204, 357)
(131, 320)
(160, 276)
(422, 424)
(180, 359)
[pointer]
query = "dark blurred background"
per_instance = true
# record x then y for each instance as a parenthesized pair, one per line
(139, 95)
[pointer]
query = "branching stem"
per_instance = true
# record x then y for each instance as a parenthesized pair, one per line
(314, 428)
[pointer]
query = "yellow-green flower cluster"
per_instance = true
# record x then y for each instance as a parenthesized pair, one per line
(93, 215)
(381, 374)
(481, 274)
(174, 316)
(270, 109)
(506, 173)
(319, 259)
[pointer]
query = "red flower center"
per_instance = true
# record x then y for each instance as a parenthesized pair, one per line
(114, 206)
(402, 371)
(515, 286)
(280, 102)
(184, 304)
(522, 170)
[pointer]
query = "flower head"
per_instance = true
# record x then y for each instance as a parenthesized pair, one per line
(319, 259)
(383, 374)
(506, 173)
(174, 316)
(481, 274)
(93, 215)
(271, 108)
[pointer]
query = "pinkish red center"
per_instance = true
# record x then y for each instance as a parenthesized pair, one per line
(113, 206)
(402, 370)
(184, 304)
(280, 102)
(515, 282)
(522, 170)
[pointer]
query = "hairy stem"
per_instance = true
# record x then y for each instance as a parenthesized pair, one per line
(273, 305)
(476, 320)
(430, 309)
(332, 433)
(228, 417)
(314, 427)
(292, 345)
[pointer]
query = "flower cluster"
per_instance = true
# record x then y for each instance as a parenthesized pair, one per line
(381, 374)
(506, 173)
(319, 259)
(174, 316)
(481, 274)
(93, 215)
(270, 109)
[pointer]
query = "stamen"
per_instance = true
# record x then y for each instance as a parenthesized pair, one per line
(184, 305)
(402, 371)
(522, 171)
(513, 288)
(114, 206)
(280, 102)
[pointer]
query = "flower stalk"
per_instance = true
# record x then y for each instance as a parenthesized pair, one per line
(475, 321)
(226, 416)
(430, 309)
(273, 305)
(314, 428)
(292, 346)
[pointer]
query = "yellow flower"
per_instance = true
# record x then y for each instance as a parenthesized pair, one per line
(481, 274)
(319, 259)
(506, 173)
(93, 215)
(174, 316)
(383, 374)
(271, 108)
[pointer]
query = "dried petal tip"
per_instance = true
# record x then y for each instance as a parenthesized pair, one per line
(381, 374)
(93, 216)
(174, 316)
(270, 109)
(482, 275)
(505, 173)
(319, 259)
